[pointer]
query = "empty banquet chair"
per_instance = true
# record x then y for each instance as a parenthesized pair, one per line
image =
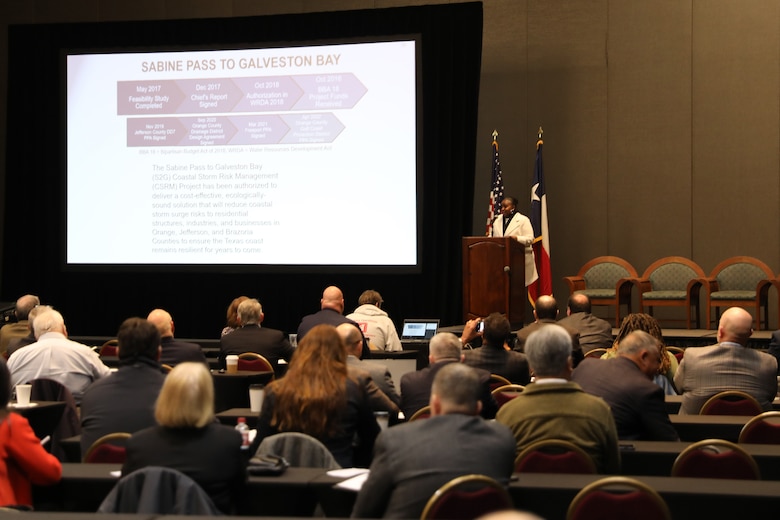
(108, 449)
(158, 490)
(761, 429)
(505, 393)
(299, 449)
(422, 413)
(617, 498)
(607, 281)
(672, 281)
(554, 456)
(731, 402)
(740, 281)
(467, 497)
(715, 458)
(254, 362)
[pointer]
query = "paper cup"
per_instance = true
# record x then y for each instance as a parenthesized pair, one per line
(256, 395)
(232, 364)
(23, 394)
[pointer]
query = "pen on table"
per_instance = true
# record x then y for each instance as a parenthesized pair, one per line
(45, 440)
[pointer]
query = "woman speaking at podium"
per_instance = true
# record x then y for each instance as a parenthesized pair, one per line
(510, 223)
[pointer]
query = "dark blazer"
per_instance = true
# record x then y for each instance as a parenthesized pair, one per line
(411, 461)
(356, 422)
(522, 336)
(637, 403)
(123, 402)
(325, 316)
(272, 344)
(211, 456)
(509, 364)
(175, 352)
(774, 348)
(594, 332)
(416, 390)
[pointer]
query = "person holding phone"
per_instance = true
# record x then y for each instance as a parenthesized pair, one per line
(494, 355)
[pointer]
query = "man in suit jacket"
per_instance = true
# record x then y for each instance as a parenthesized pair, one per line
(272, 344)
(331, 313)
(20, 328)
(412, 460)
(626, 383)
(493, 357)
(174, 351)
(510, 223)
(545, 313)
(728, 365)
(594, 332)
(379, 373)
(444, 348)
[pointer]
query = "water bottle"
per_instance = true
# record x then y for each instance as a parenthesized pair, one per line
(244, 430)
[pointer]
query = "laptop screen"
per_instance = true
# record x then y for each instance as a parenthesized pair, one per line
(419, 329)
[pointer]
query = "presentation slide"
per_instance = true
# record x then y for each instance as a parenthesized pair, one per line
(274, 156)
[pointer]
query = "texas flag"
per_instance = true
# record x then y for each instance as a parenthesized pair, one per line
(543, 285)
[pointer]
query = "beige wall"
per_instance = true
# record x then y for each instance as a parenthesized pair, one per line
(661, 119)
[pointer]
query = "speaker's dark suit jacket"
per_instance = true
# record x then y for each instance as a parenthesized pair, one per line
(175, 352)
(637, 403)
(416, 389)
(509, 364)
(412, 460)
(270, 343)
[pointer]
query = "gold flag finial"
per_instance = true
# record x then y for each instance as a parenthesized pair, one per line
(540, 132)
(495, 134)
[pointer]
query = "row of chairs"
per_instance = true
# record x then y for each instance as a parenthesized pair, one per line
(676, 281)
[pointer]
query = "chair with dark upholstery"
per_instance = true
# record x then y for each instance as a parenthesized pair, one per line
(740, 281)
(108, 449)
(505, 393)
(761, 429)
(617, 498)
(254, 362)
(554, 456)
(607, 281)
(466, 498)
(69, 424)
(715, 458)
(497, 380)
(731, 402)
(677, 352)
(672, 281)
(109, 349)
(299, 449)
(422, 413)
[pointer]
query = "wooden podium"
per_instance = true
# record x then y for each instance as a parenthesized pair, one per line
(494, 278)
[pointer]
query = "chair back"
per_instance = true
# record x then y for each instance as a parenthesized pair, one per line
(715, 458)
(158, 490)
(108, 449)
(672, 274)
(497, 380)
(422, 413)
(603, 273)
(617, 498)
(731, 402)
(466, 498)
(554, 456)
(761, 429)
(69, 425)
(254, 362)
(299, 449)
(505, 393)
(677, 352)
(109, 349)
(596, 353)
(741, 275)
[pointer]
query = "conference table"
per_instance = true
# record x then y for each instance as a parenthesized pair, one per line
(297, 492)
(674, 402)
(231, 390)
(700, 427)
(43, 416)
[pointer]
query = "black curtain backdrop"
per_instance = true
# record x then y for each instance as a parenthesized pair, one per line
(95, 303)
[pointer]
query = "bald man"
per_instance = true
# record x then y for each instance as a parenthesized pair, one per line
(728, 365)
(21, 328)
(331, 313)
(173, 351)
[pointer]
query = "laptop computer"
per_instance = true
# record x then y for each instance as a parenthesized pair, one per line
(419, 330)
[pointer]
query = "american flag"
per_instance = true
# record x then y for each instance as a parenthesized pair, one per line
(496, 190)
(543, 285)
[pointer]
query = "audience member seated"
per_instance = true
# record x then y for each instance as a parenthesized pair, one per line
(412, 460)
(641, 321)
(19, 329)
(545, 313)
(594, 332)
(728, 365)
(125, 401)
(272, 344)
(231, 323)
(174, 351)
(318, 398)
(54, 356)
(626, 384)
(375, 324)
(17, 343)
(774, 348)
(330, 313)
(378, 373)
(444, 348)
(494, 355)
(23, 461)
(552, 407)
(188, 439)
